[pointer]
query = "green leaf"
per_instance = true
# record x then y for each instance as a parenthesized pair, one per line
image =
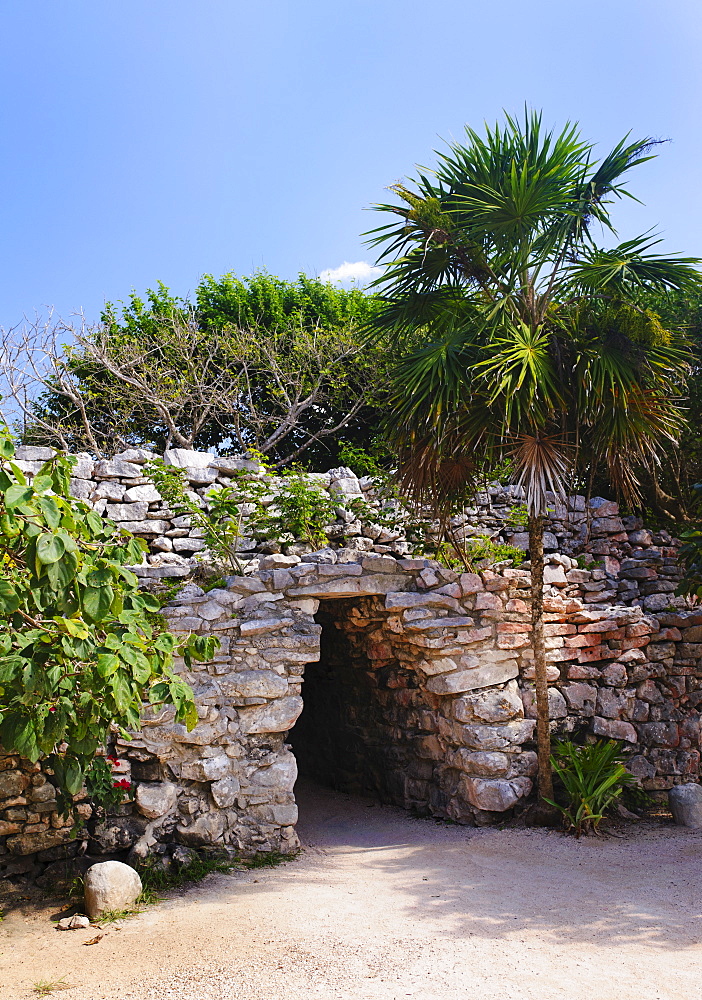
(73, 777)
(7, 447)
(96, 602)
(121, 690)
(17, 494)
(9, 598)
(100, 578)
(107, 663)
(50, 548)
(50, 509)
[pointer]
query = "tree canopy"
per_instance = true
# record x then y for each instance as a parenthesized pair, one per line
(253, 363)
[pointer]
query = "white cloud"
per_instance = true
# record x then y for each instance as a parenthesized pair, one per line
(359, 272)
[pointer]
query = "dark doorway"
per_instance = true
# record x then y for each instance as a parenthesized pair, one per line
(361, 728)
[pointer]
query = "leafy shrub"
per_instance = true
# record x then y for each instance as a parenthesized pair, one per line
(78, 653)
(220, 525)
(362, 461)
(518, 516)
(593, 777)
(473, 554)
(285, 508)
(301, 510)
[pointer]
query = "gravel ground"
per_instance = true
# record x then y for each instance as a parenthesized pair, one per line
(381, 906)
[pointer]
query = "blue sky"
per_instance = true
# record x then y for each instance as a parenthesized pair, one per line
(156, 140)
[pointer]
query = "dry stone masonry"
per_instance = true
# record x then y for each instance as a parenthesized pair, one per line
(410, 681)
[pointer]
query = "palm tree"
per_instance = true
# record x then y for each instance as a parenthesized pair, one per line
(519, 337)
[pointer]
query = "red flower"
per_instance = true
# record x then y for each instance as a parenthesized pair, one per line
(52, 708)
(113, 760)
(123, 783)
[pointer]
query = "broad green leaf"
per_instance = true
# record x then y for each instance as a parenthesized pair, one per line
(107, 663)
(100, 578)
(96, 602)
(73, 777)
(121, 690)
(7, 447)
(16, 495)
(50, 510)
(10, 600)
(50, 548)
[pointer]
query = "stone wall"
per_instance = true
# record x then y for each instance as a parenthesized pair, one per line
(421, 690)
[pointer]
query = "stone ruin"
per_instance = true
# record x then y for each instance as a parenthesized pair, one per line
(375, 672)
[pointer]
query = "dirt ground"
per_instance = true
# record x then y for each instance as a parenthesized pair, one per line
(381, 906)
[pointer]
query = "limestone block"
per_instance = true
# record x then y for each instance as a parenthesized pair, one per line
(281, 775)
(245, 585)
(207, 829)
(326, 555)
(277, 717)
(12, 783)
(470, 583)
(430, 600)
(140, 456)
(156, 800)
(117, 469)
(109, 886)
(34, 453)
(379, 583)
(480, 763)
(640, 537)
(489, 706)
(484, 737)
(379, 563)
(557, 708)
(439, 665)
(349, 486)
(581, 697)
(210, 610)
(207, 768)
(144, 494)
(555, 576)
(600, 526)
(41, 840)
(613, 705)
(495, 794)
(614, 729)
(344, 569)
(183, 458)
(225, 791)
(488, 602)
(262, 626)
(686, 804)
(189, 544)
(422, 624)
(255, 684)
(284, 814)
(116, 833)
(151, 526)
(127, 511)
(278, 561)
(230, 465)
(471, 680)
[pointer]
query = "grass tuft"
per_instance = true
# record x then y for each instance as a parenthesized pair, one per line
(44, 987)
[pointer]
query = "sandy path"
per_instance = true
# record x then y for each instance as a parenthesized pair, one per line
(381, 907)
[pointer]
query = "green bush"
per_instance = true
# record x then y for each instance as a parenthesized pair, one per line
(593, 777)
(78, 651)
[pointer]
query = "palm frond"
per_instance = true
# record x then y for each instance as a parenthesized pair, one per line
(541, 465)
(629, 267)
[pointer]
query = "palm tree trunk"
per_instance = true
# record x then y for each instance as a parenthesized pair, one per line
(543, 733)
